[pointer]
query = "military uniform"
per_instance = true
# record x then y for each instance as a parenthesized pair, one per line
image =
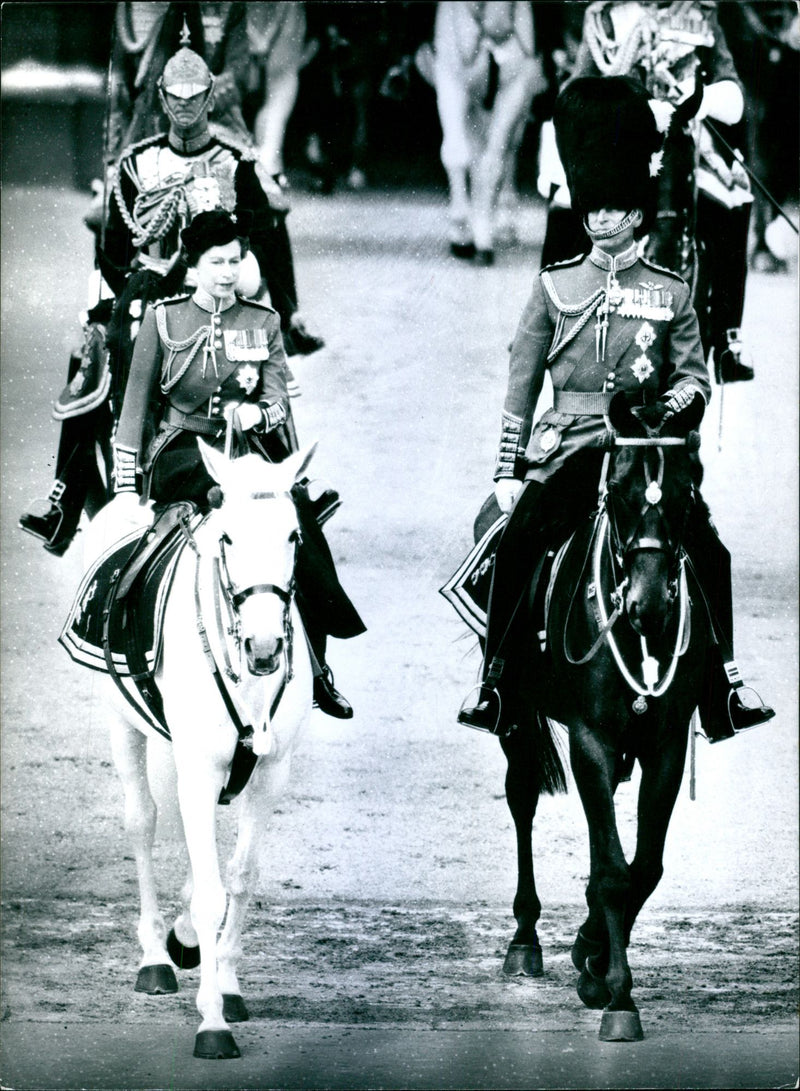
(196, 358)
(598, 325)
(159, 188)
(205, 358)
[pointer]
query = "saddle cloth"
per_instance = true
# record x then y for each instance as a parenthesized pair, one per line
(468, 588)
(82, 634)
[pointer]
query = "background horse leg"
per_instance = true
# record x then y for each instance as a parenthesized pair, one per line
(129, 751)
(452, 101)
(511, 103)
(524, 956)
(593, 765)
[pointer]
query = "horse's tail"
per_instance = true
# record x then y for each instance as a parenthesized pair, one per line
(549, 764)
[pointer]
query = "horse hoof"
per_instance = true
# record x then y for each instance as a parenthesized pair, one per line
(185, 958)
(234, 1009)
(584, 948)
(483, 258)
(523, 960)
(592, 990)
(464, 250)
(156, 980)
(215, 1045)
(621, 1026)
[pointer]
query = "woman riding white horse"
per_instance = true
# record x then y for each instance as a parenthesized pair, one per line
(206, 359)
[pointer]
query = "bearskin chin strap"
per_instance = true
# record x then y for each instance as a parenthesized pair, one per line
(510, 447)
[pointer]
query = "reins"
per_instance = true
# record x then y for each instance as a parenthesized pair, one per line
(244, 759)
(604, 536)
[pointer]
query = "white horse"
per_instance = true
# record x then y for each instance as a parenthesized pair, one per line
(481, 139)
(242, 562)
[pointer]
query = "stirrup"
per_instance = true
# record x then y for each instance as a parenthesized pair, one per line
(752, 714)
(481, 716)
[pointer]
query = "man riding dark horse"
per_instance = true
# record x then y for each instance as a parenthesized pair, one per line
(602, 323)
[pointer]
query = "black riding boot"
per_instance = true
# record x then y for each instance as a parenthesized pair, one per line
(78, 486)
(726, 705)
(520, 547)
(719, 300)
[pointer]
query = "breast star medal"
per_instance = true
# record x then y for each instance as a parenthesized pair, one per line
(247, 377)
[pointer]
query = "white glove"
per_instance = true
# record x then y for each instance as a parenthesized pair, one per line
(249, 415)
(506, 491)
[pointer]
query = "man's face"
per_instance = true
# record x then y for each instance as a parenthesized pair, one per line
(186, 112)
(603, 219)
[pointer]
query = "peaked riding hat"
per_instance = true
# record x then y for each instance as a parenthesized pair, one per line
(609, 142)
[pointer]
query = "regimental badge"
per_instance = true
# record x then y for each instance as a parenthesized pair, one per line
(548, 439)
(647, 300)
(642, 368)
(247, 376)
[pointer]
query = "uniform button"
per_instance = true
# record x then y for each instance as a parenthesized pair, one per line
(612, 375)
(217, 344)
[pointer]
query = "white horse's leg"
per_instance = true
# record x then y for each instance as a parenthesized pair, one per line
(129, 751)
(267, 785)
(199, 785)
(282, 63)
(452, 102)
(510, 106)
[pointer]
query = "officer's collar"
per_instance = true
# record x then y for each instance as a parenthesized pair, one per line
(614, 263)
(207, 302)
(191, 144)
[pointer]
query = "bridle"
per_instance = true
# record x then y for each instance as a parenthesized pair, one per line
(636, 541)
(234, 597)
(607, 537)
(227, 597)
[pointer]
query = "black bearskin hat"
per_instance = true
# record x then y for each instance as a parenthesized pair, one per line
(216, 228)
(607, 138)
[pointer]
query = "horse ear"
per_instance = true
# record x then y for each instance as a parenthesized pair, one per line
(213, 460)
(296, 464)
(622, 419)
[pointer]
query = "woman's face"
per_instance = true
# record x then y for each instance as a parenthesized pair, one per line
(218, 269)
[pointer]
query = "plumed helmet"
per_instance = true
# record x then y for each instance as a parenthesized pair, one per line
(609, 142)
(186, 74)
(216, 228)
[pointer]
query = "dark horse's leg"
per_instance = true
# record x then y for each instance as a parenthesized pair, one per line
(594, 765)
(524, 956)
(662, 771)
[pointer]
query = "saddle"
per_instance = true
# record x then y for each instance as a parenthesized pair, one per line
(116, 620)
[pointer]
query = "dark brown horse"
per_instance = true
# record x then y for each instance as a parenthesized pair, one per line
(622, 668)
